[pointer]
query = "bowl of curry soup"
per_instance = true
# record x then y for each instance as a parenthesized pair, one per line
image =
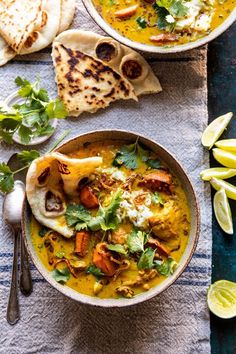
(163, 26)
(112, 219)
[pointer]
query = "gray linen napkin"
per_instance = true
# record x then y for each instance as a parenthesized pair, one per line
(177, 321)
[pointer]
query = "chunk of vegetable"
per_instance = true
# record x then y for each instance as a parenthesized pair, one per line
(127, 12)
(88, 198)
(82, 239)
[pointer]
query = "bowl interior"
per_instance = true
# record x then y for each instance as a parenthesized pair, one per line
(151, 48)
(175, 167)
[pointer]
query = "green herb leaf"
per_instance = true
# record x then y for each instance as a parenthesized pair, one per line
(61, 275)
(130, 155)
(21, 82)
(60, 254)
(6, 178)
(141, 22)
(146, 259)
(117, 248)
(136, 240)
(25, 134)
(92, 269)
(77, 214)
(153, 163)
(110, 220)
(56, 109)
(157, 199)
(43, 231)
(166, 267)
(28, 156)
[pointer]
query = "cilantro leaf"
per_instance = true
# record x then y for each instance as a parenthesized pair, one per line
(61, 275)
(146, 259)
(178, 9)
(157, 199)
(60, 254)
(166, 267)
(25, 134)
(153, 163)
(28, 156)
(21, 82)
(6, 178)
(43, 231)
(56, 109)
(136, 240)
(77, 215)
(130, 155)
(117, 248)
(141, 22)
(92, 269)
(110, 219)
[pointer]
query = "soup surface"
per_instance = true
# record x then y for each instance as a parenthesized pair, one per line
(131, 225)
(164, 22)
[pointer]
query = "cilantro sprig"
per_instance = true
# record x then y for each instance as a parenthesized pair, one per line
(168, 12)
(31, 118)
(26, 157)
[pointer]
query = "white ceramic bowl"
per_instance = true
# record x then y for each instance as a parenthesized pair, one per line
(151, 48)
(178, 171)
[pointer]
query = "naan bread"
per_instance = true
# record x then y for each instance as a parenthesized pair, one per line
(126, 61)
(6, 53)
(37, 40)
(86, 84)
(67, 14)
(18, 20)
(50, 181)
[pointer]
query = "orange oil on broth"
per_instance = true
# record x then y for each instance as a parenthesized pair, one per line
(85, 282)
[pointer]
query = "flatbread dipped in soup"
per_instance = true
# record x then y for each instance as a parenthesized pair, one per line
(164, 22)
(110, 219)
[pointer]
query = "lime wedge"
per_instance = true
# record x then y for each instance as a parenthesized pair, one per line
(223, 212)
(230, 190)
(221, 298)
(218, 172)
(227, 144)
(214, 130)
(226, 158)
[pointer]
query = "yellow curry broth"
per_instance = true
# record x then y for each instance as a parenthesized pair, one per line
(129, 27)
(85, 282)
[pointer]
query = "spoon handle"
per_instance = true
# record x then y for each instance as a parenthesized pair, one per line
(13, 313)
(26, 286)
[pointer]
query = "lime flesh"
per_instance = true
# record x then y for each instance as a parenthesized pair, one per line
(227, 144)
(221, 298)
(218, 172)
(230, 190)
(214, 130)
(223, 212)
(225, 158)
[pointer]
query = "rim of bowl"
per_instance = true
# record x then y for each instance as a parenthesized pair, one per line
(88, 4)
(110, 302)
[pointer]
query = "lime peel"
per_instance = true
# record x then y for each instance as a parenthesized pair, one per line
(214, 130)
(218, 172)
(229, 188)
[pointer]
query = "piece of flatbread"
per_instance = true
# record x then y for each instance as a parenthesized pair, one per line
(51, 15)
(50, 181)
(67, 14)
(18, 20)
(6, 52)
(121, 58)
(86, 84)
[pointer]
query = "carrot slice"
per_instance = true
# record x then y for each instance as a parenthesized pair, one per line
(82, 239)
(127, 12)
(102, 261)
(88, 198)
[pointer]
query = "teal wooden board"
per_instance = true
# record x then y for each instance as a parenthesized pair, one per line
(221, 99)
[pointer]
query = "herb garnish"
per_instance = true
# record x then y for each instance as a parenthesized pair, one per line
(157, 199)
(31, 118)
(136, 240)
(43, 231)
(61, 275)
(146, 259)
(141, 22)
(168, 11)
(166, 267)
(92, 269)
(117, 248)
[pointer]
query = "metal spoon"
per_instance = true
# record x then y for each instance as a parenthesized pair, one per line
(12, 210)
(26, 286)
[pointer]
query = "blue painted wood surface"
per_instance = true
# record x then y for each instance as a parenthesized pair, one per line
(222, 99)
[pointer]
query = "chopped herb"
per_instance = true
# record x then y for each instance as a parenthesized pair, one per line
(6, 178)
(31, 118)
(28, 156)
(60, 254)
(166, 267)
(110, 219)
(117, 248)
(141, 22)
(92, 269)
(136, 240)
(43, 231)
(78, 216)
(146, 259)
(61, 275)
(157, 199)
(153, 163)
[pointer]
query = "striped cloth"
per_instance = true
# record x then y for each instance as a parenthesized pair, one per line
(177, 321)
